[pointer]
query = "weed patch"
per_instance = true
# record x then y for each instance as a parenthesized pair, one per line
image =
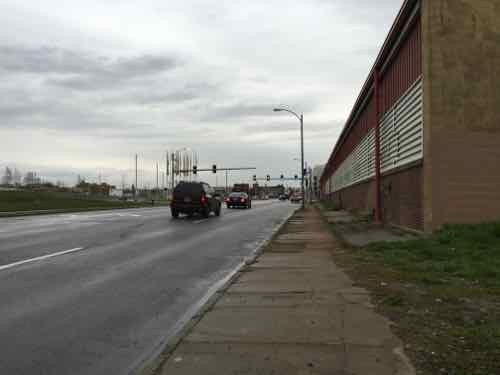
(443, 294)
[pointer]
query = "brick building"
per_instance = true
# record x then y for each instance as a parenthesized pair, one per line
(421, 146)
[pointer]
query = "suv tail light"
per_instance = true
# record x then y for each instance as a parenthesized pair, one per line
(243, 200)
(203, 199)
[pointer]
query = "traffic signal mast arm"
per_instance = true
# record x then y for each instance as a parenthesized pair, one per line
(216, 169)
(276, 179)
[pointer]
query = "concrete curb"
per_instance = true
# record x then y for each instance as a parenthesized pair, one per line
(152, 366)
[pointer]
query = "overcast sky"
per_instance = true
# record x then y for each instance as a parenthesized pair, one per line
(87, 84)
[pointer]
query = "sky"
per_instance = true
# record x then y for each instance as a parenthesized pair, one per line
(86, 85)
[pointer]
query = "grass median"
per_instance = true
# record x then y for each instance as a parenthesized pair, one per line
(23, 201)
(443, 294)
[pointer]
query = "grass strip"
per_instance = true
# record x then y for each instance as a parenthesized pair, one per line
(442, 292)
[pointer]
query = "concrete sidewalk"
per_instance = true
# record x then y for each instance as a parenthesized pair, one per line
(292, 312)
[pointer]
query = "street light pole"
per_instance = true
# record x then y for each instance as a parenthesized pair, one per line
(301, 119)
(302, 158)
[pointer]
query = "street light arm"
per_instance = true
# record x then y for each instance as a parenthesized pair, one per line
(287, 110)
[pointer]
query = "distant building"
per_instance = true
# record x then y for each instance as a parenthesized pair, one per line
(245, 188)
(421, 146)
(267, 191)
(31, 179)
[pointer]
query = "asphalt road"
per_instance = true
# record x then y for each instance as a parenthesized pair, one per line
(98, 293)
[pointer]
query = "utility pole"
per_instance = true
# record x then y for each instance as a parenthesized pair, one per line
(157, 182)
(135, 190)
(172, 160)
(226, 181)
(166, 170)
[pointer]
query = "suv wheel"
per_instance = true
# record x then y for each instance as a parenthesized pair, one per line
(175, 214)
(217, 212)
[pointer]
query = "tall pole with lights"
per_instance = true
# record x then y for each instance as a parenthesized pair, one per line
(301, 119)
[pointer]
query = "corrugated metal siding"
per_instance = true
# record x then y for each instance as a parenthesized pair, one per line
(358, 166)
(401, 130)
(362, 126)
(401, 142)
(398, 77)
(403, 70)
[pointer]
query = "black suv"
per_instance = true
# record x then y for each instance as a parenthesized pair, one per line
(194, 197)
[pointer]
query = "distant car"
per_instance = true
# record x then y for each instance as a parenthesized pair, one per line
(283, 197)
(239, 200)
(195, 197)
(296, 198)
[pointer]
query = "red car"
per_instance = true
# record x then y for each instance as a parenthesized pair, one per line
(238, 200)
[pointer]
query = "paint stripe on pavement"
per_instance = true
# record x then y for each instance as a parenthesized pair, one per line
(30, 260)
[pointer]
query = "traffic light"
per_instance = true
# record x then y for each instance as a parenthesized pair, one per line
(255, 177)
(268, 178)
(195, 169)
(296, 177)
(214, 168)
(305, 171)
(282, 177)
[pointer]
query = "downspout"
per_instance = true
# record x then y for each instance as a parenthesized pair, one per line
(378, 211)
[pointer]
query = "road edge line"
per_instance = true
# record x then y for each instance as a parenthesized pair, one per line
(155, 362)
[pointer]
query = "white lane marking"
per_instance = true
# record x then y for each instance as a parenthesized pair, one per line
(30, 260)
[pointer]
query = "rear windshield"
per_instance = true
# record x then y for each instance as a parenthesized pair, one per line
(237, 195)
(188, 189)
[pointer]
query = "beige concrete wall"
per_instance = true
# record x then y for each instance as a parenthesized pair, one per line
(461, 68)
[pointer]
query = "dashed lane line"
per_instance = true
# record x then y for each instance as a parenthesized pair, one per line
(36, 259)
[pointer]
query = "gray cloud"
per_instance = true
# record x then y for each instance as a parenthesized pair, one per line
(246, 110)
(150, 94)
(15, 58)
(80, 71)
(313, 128)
